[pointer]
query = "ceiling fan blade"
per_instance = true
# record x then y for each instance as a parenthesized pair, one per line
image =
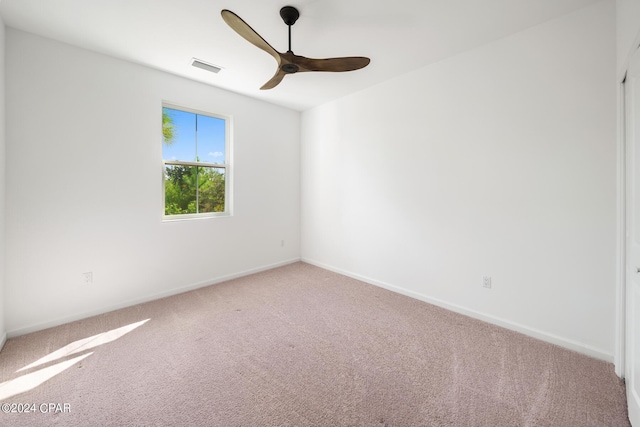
(348, 63)
(275, 80)
(249, 34)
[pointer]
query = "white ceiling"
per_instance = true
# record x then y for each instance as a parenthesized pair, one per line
(398, 36)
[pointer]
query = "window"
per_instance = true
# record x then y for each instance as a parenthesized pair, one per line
(195, 157)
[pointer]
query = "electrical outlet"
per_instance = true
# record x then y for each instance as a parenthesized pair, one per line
(87, 278)
(486, 282)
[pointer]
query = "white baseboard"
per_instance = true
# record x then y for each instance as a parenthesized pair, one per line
(152, 297)
(523, 329)
(3, 340)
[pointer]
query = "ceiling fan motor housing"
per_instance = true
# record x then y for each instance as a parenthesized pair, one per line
(289, 68)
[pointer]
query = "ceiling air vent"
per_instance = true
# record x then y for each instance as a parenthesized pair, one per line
(205, 65)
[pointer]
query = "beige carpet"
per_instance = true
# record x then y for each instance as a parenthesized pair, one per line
(299, 346)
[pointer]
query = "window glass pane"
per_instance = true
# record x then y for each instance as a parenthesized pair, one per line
(179, 135)
(192, 137)
(180, 189)
(211, 139)
(211, 189)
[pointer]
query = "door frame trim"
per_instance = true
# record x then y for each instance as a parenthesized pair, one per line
(621, 236)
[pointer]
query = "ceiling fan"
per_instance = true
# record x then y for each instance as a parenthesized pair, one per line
(288, 62)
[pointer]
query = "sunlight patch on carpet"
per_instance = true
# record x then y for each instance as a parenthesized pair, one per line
(30, 381)
(85, 344)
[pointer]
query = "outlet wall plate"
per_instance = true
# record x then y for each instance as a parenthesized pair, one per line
(87, 278)
(486, 282)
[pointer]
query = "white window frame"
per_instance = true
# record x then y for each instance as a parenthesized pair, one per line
(226, 166)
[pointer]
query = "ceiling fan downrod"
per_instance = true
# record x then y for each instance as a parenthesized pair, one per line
(289, 15)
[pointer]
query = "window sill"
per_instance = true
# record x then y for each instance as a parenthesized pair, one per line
(189, 217)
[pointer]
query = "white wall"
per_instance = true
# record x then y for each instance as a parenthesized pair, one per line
(3, 335)
(84, 186)
(497, 162)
